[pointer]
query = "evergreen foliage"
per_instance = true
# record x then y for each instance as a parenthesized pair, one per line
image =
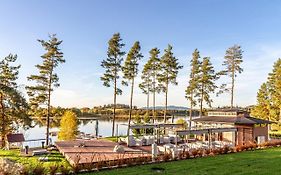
(233, 59)
(40, 93)
(130, 71)
(13, 105)
(269, 96)
(193, 83)
(206, 83)
(112, 66)
(169, 67)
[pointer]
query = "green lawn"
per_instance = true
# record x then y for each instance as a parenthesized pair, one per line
(55, 158)
(267, 161)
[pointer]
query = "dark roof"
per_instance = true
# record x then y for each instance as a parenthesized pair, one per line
(234, 120)
(15, 138)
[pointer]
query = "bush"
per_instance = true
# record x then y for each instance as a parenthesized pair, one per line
(53, 169)
(194, 152)
(39, 169)
(207, 152)
(225, 149)
(167, 156)
(68, 126)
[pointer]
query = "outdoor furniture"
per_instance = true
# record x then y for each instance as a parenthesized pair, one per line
(166, 139)
(131, 141)
(39, 152)
(149, 140)
(140, 141)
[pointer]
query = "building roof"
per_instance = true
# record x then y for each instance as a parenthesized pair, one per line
(234, 120)
(12, 138)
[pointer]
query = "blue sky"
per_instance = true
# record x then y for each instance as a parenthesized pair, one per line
(85, 27)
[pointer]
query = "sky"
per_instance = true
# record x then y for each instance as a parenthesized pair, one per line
(85, 27)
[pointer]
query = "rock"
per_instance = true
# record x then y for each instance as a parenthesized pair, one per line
(119, 149)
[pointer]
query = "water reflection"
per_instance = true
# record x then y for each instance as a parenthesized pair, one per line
(85, 126)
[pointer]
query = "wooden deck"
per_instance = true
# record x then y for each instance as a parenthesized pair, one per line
(95, 151)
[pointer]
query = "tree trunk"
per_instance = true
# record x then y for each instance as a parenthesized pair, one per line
(154, 89)
(147, 101)
(3, 128)
(114, 106)
(131, 107)
(232, 89)
(201, 101)
(49, 108)
(166, 102)
(190, 110)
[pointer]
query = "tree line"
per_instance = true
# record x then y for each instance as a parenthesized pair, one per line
(161, 71)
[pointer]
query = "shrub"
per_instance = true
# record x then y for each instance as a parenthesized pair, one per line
(63, 170)
(207, 152)
(214, 151)
(53, 169)
(200, 152)
(187, 155)
(76, 169)
(238, 148)
(194, 152)
(220, 151)
(181, 155)
(225, 149)
(39, 169)
(167, 157)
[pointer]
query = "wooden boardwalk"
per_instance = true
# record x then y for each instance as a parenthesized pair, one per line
(95, 150)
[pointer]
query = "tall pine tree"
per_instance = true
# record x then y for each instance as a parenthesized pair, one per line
(169, 71)
(206, 83)
(274, 82)
(269, 96)
(154, 69)
(233, 59)
(262, 109)
(146, 84)
(112, 66)
(13, 106)
(46, 80)
(130, 71)
(193, 83)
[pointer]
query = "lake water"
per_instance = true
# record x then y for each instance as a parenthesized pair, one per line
(86, 126)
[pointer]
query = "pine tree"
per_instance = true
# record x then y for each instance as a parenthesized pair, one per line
(130, 71)
(233, 59)
(154, 69)
(206, 83)
(193, 83)
(262, 109)
(274, 82)
(112, 66)
(13, 106)
(269, 96)
(68, 126)
(146, 84)
(40, 93)
(170, 68)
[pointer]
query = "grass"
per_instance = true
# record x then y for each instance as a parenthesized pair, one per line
(54, 158)
(256, 162)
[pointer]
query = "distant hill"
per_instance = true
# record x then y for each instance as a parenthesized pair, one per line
(171, 107)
